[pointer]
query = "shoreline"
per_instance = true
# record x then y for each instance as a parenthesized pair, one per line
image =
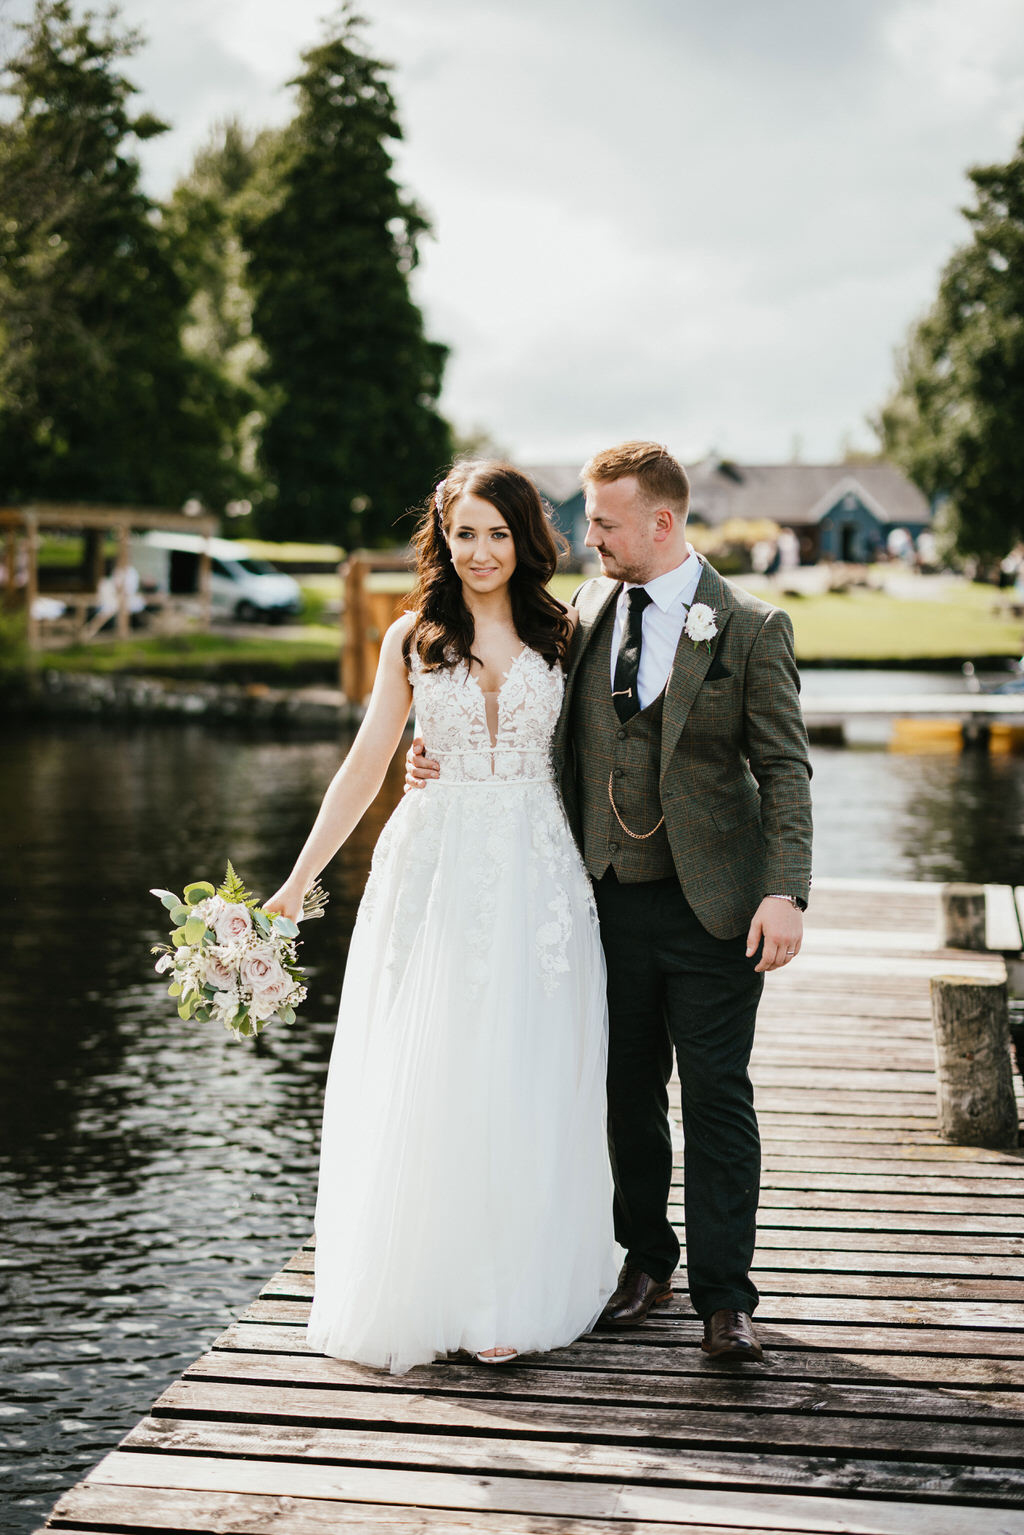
(125, 696)
(255, 704)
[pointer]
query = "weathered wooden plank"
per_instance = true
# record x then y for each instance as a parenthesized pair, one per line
(792, 1308)
(1002, 925)
(834, 1160)
(189, 1512)
(669, 1403)
(1003, 1208)
(294, 1285)
(206, 1513)
(791, 1253)
(287, 1332)
(783, 1360)
(492, 1452)
(865, 1079)
(803, 1217)
(554, 1497)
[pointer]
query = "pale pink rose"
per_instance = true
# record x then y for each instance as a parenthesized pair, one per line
(263, 974)
(232, 922)
(217, 973)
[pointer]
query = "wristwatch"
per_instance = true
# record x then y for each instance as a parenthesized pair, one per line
(794, 900)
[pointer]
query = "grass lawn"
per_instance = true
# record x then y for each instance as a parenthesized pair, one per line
(313, 646)
(865, 625)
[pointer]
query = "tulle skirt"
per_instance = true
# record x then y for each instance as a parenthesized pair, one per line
(465, 1195)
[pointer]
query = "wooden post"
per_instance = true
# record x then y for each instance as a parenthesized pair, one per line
(354, 651)
(974, 1087)
(205, 586)
(92, 560)
(32, 582)
(121, 583)
(963, 917)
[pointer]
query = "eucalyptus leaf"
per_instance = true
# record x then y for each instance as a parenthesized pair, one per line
(168, 897)
(178, 938)
(263, 922)
(179, 915)
(287, 1014)
(195, 927)
(200, 891)
(174, 989)
(184, 1011)
(286, 927)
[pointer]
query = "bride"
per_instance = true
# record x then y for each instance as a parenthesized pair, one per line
(465, 1195)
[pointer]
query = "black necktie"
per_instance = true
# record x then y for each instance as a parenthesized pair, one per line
(625, 692)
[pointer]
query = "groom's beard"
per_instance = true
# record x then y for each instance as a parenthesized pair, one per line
(618, 570)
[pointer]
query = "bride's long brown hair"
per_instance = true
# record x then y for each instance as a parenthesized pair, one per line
(443, 632)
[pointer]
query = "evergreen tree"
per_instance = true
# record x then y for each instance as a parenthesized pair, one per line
(98, 400)
(954, 419)
(353, 435)
(204, 220)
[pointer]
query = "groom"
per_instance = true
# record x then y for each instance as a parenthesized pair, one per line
(684, 768)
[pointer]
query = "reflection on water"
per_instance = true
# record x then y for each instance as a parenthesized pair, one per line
(153, 1174)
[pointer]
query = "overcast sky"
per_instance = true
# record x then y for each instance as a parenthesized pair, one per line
(704, 221)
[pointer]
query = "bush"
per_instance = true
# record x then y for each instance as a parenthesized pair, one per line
(13, 644)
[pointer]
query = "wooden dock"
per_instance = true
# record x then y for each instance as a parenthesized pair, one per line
(892, 1394)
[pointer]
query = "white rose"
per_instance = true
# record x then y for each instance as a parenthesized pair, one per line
(231, 922)
(700, 623)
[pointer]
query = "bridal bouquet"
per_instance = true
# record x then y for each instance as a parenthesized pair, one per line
(230, 960)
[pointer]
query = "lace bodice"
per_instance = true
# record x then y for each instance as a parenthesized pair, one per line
(451, 715)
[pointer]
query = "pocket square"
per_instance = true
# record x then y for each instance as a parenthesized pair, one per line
(716, 671)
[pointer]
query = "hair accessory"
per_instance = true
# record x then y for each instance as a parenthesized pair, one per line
(439, 496)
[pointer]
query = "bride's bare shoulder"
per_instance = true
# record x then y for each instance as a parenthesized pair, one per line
(393, 646)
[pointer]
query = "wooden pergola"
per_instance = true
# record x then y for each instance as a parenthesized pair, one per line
(22, 526)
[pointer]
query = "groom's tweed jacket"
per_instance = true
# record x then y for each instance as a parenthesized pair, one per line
(731, 771)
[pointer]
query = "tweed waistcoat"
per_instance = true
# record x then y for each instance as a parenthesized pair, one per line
(631, 754)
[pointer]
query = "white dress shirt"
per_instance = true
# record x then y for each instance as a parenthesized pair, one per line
(671, 594)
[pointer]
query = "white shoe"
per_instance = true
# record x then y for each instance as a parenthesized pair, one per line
(497, 1355)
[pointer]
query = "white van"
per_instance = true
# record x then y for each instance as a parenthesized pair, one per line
(241, 586)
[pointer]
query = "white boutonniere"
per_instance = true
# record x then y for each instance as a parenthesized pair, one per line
(700, 625)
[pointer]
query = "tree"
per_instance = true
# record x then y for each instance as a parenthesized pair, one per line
(98, 400)
(204, 219)
(353, 434)
(954, 419)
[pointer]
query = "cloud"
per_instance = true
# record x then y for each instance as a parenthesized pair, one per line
(707, 223)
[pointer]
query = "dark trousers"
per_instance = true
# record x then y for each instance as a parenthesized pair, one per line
(673, 987)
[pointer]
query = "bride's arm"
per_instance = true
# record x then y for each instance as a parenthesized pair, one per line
(357, 782)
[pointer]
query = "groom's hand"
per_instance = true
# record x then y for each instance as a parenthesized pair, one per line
(419, 768)
(780, 926)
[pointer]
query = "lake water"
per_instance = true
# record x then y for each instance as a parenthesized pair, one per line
(153, 1174)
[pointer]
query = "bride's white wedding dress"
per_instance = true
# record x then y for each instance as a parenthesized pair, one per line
(465, 1195)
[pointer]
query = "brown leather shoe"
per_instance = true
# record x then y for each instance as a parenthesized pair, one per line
(637, 1292)
(730, 1335)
